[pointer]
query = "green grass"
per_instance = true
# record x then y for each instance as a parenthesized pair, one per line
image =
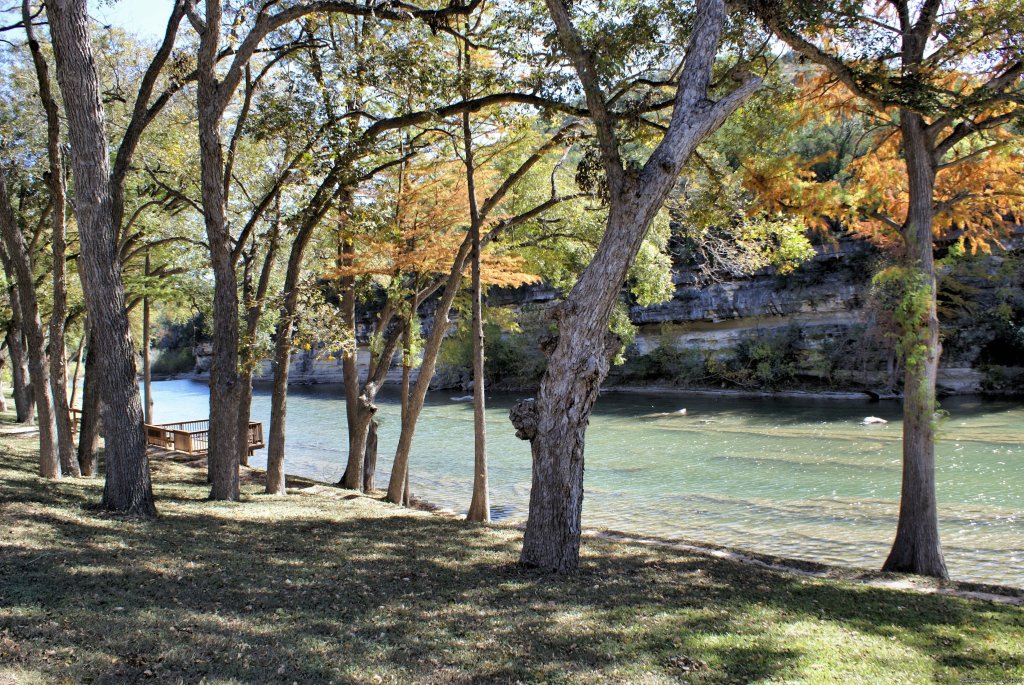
(315, 589)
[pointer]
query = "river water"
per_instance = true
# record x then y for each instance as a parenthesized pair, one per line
(799, 478)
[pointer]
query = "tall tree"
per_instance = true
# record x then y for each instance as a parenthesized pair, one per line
(555, 422)
(128, 488)
(58, 240)
(17, 263)
(945, 77)
(215, 92)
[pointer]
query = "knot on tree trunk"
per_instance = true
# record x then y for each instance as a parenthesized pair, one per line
(367, 405)
(596, 366)
(523, 416)
(548, 343)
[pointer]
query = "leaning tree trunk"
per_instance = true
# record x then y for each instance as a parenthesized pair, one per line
(58, 202)
(128, 488)
(916, 548)
(282, 359)
(555, 423)
(21, 380)
(89, 423)
(18, 264)
(279, 406)
(398, 485)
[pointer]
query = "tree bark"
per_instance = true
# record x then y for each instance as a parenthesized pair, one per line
(358, 413)
(3, 397)
(128, 488)
(17, 263)
(916, 548)
(279, 403)
(58, 201)
(555, 423)
(21, 380)
(225, 389)
(89, 425)
(282, 354)
(370, 458)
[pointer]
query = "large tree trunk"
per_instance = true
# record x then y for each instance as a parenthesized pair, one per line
(556, 421)
(17, 263)
(21, 380)
(89, 424)
(58, 201)
(225, 390)
(128, 488)
(916, 548)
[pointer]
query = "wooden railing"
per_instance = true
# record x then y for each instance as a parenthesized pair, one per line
(193, 437)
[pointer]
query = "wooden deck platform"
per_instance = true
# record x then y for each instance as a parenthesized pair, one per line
(193, 437)
(190, 437)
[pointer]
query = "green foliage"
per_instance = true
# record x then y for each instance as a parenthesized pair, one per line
(320, 327)
(908, 293)
(169, 362)
(664, 364)
(513, 358)
(763, 360)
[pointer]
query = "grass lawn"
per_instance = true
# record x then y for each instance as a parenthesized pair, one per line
(318, 589)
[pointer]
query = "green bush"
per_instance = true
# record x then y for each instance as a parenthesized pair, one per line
(763, 360)
(664, 363)
(170, 362)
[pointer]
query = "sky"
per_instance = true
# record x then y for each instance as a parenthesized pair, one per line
(145, 18)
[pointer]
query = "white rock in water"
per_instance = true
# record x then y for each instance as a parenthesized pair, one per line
(464, 398)
(868, 420)
(662, 414)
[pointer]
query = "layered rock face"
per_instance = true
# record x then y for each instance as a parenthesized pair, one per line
(817, 328)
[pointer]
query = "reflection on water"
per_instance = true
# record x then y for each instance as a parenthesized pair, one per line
(797, 478)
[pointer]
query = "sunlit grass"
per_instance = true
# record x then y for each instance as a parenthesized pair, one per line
(314, 589)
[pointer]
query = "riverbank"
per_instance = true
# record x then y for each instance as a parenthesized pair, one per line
(672, 390)
(349, 589)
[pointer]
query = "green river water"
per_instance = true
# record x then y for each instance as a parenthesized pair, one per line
(800, 478)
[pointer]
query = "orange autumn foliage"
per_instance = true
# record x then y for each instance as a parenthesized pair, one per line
(978, 194)
(429, 223)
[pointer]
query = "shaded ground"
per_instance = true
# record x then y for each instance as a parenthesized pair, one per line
(315, 589)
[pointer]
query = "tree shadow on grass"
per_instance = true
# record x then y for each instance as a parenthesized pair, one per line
(314, 590)
(415, 598)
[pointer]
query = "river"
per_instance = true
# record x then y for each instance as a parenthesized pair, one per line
(800, 478)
